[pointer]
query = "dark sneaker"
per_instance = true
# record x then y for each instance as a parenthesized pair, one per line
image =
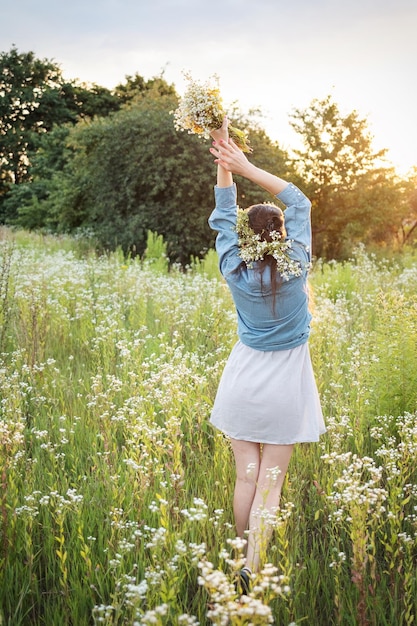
(242, 583)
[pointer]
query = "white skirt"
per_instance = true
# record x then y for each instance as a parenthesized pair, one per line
(269, 397)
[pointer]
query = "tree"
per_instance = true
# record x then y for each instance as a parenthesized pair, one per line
(89, 101)
(349, 187)
(131, 173)
(34, 98)
(136, 87)
(23, 81)
(267, 155)
(408, 228)
(27, 204)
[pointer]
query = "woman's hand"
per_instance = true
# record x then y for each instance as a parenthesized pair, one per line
(230, 157)
(222, 132)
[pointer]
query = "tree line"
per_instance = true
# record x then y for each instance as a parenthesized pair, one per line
(87, 160)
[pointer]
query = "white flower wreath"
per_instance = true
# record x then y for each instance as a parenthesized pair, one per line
(252, 248)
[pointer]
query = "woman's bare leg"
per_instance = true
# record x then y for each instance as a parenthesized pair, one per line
(247, 460)
(273, 467)
(260, 474)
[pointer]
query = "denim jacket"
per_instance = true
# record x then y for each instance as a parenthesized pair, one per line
(261, 324)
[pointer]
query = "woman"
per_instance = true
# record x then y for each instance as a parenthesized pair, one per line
(267, 399)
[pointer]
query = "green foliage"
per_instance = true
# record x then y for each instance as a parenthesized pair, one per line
(131, 173)
(27, 205)
(24, 107)
(127, 177)
(35, 98)
(408, 231)
(208, 265)
(155, 254)
(89, 101)
(136, 87)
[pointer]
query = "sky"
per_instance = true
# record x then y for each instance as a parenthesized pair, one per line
(268, 54)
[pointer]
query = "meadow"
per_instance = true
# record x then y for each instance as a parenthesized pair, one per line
(115, 492)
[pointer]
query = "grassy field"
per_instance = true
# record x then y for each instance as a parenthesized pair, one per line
(115, 492)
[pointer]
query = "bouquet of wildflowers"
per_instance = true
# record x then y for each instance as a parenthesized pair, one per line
(201, 111)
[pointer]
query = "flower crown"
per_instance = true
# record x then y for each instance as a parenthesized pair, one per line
(253, 248)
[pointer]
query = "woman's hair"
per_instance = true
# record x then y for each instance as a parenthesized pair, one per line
(263, 219)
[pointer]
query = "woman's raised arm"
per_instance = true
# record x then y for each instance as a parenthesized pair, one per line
(231, 159)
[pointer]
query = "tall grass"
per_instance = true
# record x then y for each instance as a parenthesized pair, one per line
(115, 492)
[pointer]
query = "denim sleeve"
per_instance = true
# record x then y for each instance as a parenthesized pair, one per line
(223, 220)
(297, 215)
